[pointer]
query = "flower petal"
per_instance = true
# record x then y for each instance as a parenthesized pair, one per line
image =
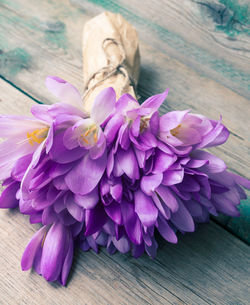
(162, 161)
(88, 201)
(172, 177)
(32, 248)
(114, 212)
(128, 163)
(182, 219)
(84, 177)
(61, 154)
(154, 102)
(168, 198)
(64, 91)
(171, 120)
(215, 164)
(103, 105)
(145, 209)
(132, 223)
(166, 231)
(150, 183)
(95, 219)
(53, 251)
(67, 262)
(8, 197)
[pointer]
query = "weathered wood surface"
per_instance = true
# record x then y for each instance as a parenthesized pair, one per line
(200, 50)
(210, 266)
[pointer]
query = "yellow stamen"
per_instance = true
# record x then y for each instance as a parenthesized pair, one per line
(143, 124)
(44, 236)
(175, 131)
(84, 139)
(87, 133)
(37, 136)
(95, 137)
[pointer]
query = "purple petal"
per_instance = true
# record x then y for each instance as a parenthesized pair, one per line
(95, 219)
(103, 105)
(8, 197)
(151, 251)
(84, 177)
(145, 209)
(122, 244)
(74, 209)
(116, 192)
(182, 219)
(128, 163)
(67, 262)
(41, 112)
(49, 216)
(171, 120)
(161, 206)
(32, 248)
(215, 165)
(154, 102)
(166, 231)
(225, 206)
(241, 180)
(20, 167)
(220, 138)
(138, 250)
(70, 137)
(88, 201)
(150, 183)
(196, 163)
(112, 127)
(36, 218)
(61, 154)
(113, 210)
(154, 123)
(98, 150)
(141, 157)
(188, 184)
(135, 127)
(64, 91)
(163, 161)
(53, 251)
(132, 223)
(173, 177)
(61, 112)
(194, 208)
(168, 197)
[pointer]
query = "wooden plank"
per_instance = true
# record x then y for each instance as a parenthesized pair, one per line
(45, 39)
(206, 267)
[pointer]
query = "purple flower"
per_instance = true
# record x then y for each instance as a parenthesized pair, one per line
(111, 177)
(180, 128)
(50, 252)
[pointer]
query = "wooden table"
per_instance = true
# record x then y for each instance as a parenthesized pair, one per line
(200, 50)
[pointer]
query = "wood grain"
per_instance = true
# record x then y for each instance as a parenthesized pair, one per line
(180, 49)
(191, 47)
(206, 267)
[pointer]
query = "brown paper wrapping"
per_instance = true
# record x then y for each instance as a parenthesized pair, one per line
(110, 56)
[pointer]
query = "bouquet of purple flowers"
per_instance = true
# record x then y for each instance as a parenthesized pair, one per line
(111, 177)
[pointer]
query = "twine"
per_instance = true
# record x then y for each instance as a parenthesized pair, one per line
(111, 69)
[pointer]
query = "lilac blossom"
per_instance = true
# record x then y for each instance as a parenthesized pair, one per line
(111, 177)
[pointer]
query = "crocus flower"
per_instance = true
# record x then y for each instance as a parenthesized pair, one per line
(181, 128)
(50, 252)
(111, 177)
